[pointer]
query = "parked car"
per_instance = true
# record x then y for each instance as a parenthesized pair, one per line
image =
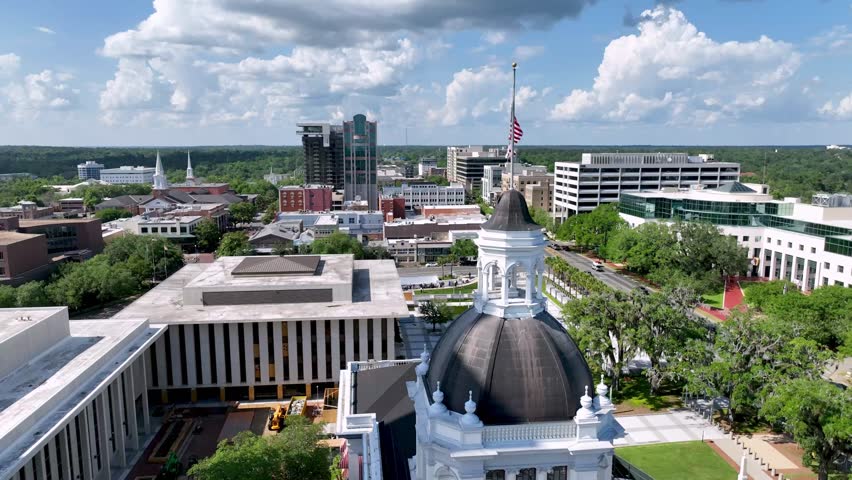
(432, 264)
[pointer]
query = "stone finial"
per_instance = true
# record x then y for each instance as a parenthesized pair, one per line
(437, 407)
(470, 418)
(422, 368)
(585, 411)
(601, 400)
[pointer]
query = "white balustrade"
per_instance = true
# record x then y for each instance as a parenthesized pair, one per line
(522, 433)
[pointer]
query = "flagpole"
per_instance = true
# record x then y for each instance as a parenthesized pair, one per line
(512, 130)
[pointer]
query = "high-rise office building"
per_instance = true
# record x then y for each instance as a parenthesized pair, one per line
(359, 161)
(323, 144)
(90, 169)
(466, 164)
(601, 177)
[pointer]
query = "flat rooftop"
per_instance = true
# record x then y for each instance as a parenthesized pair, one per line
(8, 238)
(708, 195)
(56, 221)
(375, 292)
(37, 395)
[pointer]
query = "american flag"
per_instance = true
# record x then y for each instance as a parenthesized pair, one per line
(516, 131)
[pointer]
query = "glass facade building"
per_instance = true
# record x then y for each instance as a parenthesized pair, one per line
(359, 161)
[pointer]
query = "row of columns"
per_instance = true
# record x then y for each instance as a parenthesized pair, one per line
(535, 282)
(186, 352)
(111, 409)
(781, 270)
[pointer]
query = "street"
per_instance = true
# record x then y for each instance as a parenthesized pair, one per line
(608, 276)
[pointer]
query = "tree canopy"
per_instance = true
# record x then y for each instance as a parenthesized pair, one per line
(592, 230)
(207, 235)
(293, 454)
(234, 244)
(110, 214)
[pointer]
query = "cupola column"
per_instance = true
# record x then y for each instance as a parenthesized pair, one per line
(530, 284)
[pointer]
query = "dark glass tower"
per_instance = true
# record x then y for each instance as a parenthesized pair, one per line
(323, 144)
(359, 160)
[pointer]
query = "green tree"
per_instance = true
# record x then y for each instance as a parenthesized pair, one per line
(207, 235)
(604, 326)
(824, 316)
(91, 198)
(31, 294)
(7, 296)
(269, 215)
(744, 361)
(147, 257)
(542, 217)
(663, 325)
(234, 244)
(293, 454)
(110, 214)
(93, 282)
(592, 230)
(242, 212)
(336, 243)
(761, 295)
(436, 313)
(464, 248)
(819, 417)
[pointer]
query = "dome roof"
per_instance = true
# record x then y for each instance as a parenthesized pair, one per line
(520, 370)
(511, 214)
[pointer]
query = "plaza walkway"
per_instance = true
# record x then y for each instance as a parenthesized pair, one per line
(676, 426)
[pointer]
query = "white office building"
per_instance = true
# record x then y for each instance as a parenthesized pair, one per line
(127, 175)
(269, 326)
(425, 165)
(808, 244)
(420, 194)
(465, 164)
(601, 177)
(492, 182)
(73, 395)
(89, 170)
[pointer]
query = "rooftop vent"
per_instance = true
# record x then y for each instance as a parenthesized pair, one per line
(292, 265)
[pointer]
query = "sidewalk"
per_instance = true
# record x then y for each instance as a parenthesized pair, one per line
(735, 453)
(676, 426)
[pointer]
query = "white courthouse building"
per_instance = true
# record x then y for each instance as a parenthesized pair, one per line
(601, 177)
(506, 394)
(808, 244)
(269, 327)
(73, 395)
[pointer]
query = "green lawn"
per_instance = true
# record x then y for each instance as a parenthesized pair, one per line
(677, 461)
(442, 291)
(635, 396)
(713, 299)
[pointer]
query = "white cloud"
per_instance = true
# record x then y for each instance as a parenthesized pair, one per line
(525, 52)
(9, 64)
(219, 60)
(38, 93)
(45, 30)
(494, 38)
(843, 110)
(838, 38)
(672, 72)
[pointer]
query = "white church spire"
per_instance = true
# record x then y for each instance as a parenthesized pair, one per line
(160, 182)
(190, 177)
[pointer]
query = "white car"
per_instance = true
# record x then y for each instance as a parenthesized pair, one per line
(598, 266)
(432, 264)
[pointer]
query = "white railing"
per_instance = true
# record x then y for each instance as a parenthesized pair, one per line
(372, 365)
(523, 433)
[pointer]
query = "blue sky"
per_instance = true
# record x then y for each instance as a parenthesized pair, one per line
(209, 72)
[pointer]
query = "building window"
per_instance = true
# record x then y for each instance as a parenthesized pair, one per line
(745, 238)
(801, 248)
(558, 473)
(813, 249)
(778, 242)
(826, 265)
(526, 474)
(789, 244)
(840, 269)
(768, 239)
(495, 475)
(144, 230)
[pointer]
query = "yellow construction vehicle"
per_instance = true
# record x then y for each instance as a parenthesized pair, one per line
(276, 419)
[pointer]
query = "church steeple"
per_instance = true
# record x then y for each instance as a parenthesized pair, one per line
(160, 182)
(190, 177)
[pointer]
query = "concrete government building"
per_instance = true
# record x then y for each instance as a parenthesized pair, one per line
(268, 327)
(73, 402)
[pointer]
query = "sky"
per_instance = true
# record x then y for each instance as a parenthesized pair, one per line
(608, 72)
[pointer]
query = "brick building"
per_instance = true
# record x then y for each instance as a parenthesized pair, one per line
(23, 257)
(307, 198)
